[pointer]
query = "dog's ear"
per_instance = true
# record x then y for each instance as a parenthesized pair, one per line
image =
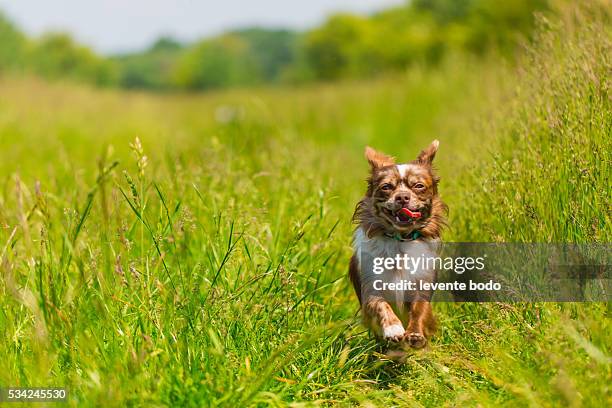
(378, 159)
(426, 156)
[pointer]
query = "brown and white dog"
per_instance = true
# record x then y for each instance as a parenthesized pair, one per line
(384, 229)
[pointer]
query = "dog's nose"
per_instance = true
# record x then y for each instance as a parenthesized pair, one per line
(402, 198)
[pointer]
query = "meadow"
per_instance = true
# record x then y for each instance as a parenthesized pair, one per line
(192, 249)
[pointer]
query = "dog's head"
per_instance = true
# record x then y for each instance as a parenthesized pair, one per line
(402, 198)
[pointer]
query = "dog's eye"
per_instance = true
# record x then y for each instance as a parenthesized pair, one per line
(387, 187)
(418, 186)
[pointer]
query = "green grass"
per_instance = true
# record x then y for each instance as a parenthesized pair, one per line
(213, 272)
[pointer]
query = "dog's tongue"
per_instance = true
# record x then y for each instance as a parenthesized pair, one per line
(411, 214)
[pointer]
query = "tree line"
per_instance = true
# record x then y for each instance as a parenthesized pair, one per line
(344, 46)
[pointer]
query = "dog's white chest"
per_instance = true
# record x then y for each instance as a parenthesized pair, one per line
(408, 261)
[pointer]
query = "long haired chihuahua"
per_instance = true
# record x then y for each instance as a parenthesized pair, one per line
(401, 213)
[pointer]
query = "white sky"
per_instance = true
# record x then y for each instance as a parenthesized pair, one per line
(111, 26)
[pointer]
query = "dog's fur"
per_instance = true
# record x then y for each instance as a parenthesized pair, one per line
(391, 186)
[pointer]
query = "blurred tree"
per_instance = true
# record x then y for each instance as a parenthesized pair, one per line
(501, 25)
(483, 24)
(165, 43)
(345, 45)
(331, 51)
(152, 69)
(406, 35)
(219, 62)
(270, 50)
(12, 43)
(56, 55)
(446, 11)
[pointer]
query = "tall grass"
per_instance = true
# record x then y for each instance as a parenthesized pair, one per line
(192, 250)
(549, 176)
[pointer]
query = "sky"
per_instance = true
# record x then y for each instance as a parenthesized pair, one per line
(115, 26)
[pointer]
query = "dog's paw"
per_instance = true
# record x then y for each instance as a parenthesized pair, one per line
(394, 333)
(415, 340)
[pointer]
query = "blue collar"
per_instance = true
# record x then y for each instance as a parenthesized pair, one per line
(402, 238)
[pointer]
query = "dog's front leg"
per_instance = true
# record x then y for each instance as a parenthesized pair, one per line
(379, 316)
(422, 324)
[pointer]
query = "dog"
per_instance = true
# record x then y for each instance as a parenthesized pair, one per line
(401, 213)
